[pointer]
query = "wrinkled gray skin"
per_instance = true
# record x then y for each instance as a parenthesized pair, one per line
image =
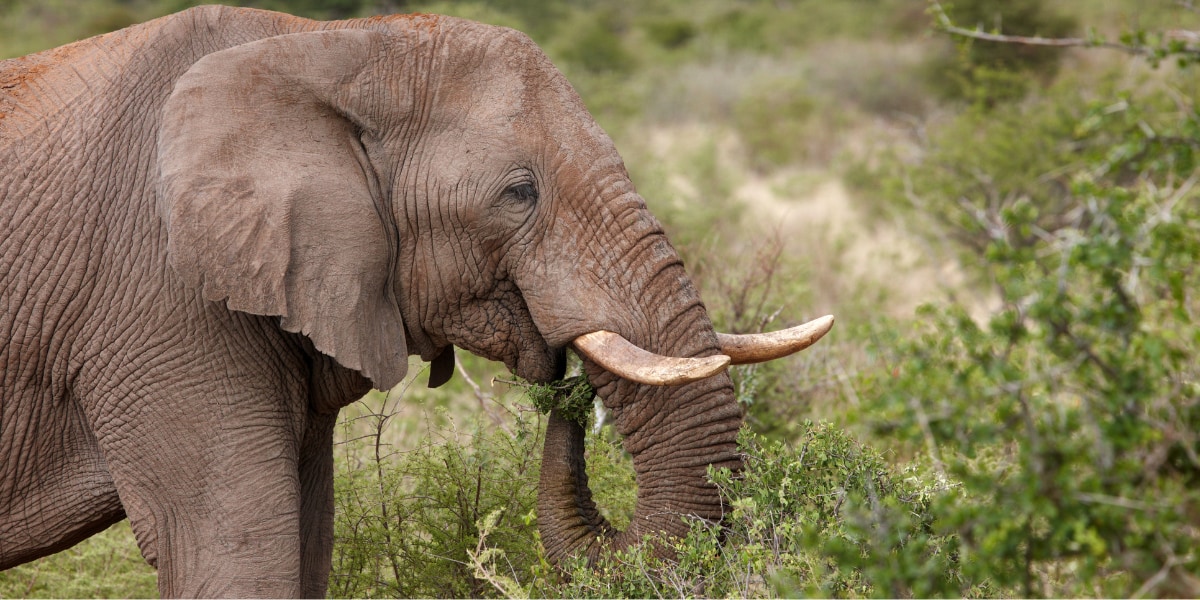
(220, 227)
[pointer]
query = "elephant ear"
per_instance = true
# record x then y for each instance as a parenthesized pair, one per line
(270, 201)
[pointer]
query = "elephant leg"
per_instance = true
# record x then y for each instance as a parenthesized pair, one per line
(316, 505)
(210, 483)
(58, 491)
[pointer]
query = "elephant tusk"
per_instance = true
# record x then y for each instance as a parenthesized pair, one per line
(761, 347)
(622, 358)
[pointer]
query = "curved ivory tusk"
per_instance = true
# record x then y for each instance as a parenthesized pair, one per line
(622, 358)
(761, 347)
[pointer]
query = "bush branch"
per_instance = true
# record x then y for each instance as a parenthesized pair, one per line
(943, 23)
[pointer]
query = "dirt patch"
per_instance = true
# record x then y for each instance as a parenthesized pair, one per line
(19, 72)
(418, 20)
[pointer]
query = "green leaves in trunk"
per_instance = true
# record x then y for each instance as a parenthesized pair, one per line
(573, 397)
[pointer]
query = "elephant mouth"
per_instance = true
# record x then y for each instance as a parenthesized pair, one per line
(539, 365)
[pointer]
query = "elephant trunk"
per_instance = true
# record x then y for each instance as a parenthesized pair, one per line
(671, 472)
(672, 432)
(568, 519)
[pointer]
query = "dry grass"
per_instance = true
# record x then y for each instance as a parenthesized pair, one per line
(849, 255)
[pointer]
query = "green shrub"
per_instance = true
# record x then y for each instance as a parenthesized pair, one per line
(980, 163)
(593, 43)
(989, 72)
(454, 517)
(828, 517)
(1070, 415)
(407, 520)
(1013, 17)
(766, 26)
(782, 120)
(413, 511)
(670, 33)
(880, 78)
(742, 28)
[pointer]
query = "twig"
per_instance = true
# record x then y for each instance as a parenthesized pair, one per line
(1156, 579)
(943, 23)
(927, 432)
(1117, 501)
(844, 379)
(483, 398)
(510, 382)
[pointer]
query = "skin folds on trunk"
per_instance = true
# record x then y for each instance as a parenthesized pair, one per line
(672, 432)
(569, 521)
(670, 476)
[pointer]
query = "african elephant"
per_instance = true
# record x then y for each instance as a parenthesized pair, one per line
(219, 227)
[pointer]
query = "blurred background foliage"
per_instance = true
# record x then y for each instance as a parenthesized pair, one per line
(1008, 235)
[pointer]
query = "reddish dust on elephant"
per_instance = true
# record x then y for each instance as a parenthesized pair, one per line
(220, 227)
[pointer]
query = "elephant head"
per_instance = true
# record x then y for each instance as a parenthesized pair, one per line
(420, 182)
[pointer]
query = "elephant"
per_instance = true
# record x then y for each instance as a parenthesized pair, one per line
(219, 227)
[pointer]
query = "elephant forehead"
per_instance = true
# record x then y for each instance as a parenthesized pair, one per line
(498, 101)
(481, 114)
(478, 84)
(475, 152)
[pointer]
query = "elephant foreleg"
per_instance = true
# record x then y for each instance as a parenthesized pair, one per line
(210, 483)
(316, 506)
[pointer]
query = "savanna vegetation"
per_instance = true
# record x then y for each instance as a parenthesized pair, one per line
(1008, 234)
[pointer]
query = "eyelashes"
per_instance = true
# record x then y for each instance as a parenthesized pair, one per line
(524, 192)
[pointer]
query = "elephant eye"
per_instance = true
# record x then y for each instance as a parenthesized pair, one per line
(525, 192)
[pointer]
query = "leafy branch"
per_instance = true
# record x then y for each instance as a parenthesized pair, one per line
(1183, 44)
